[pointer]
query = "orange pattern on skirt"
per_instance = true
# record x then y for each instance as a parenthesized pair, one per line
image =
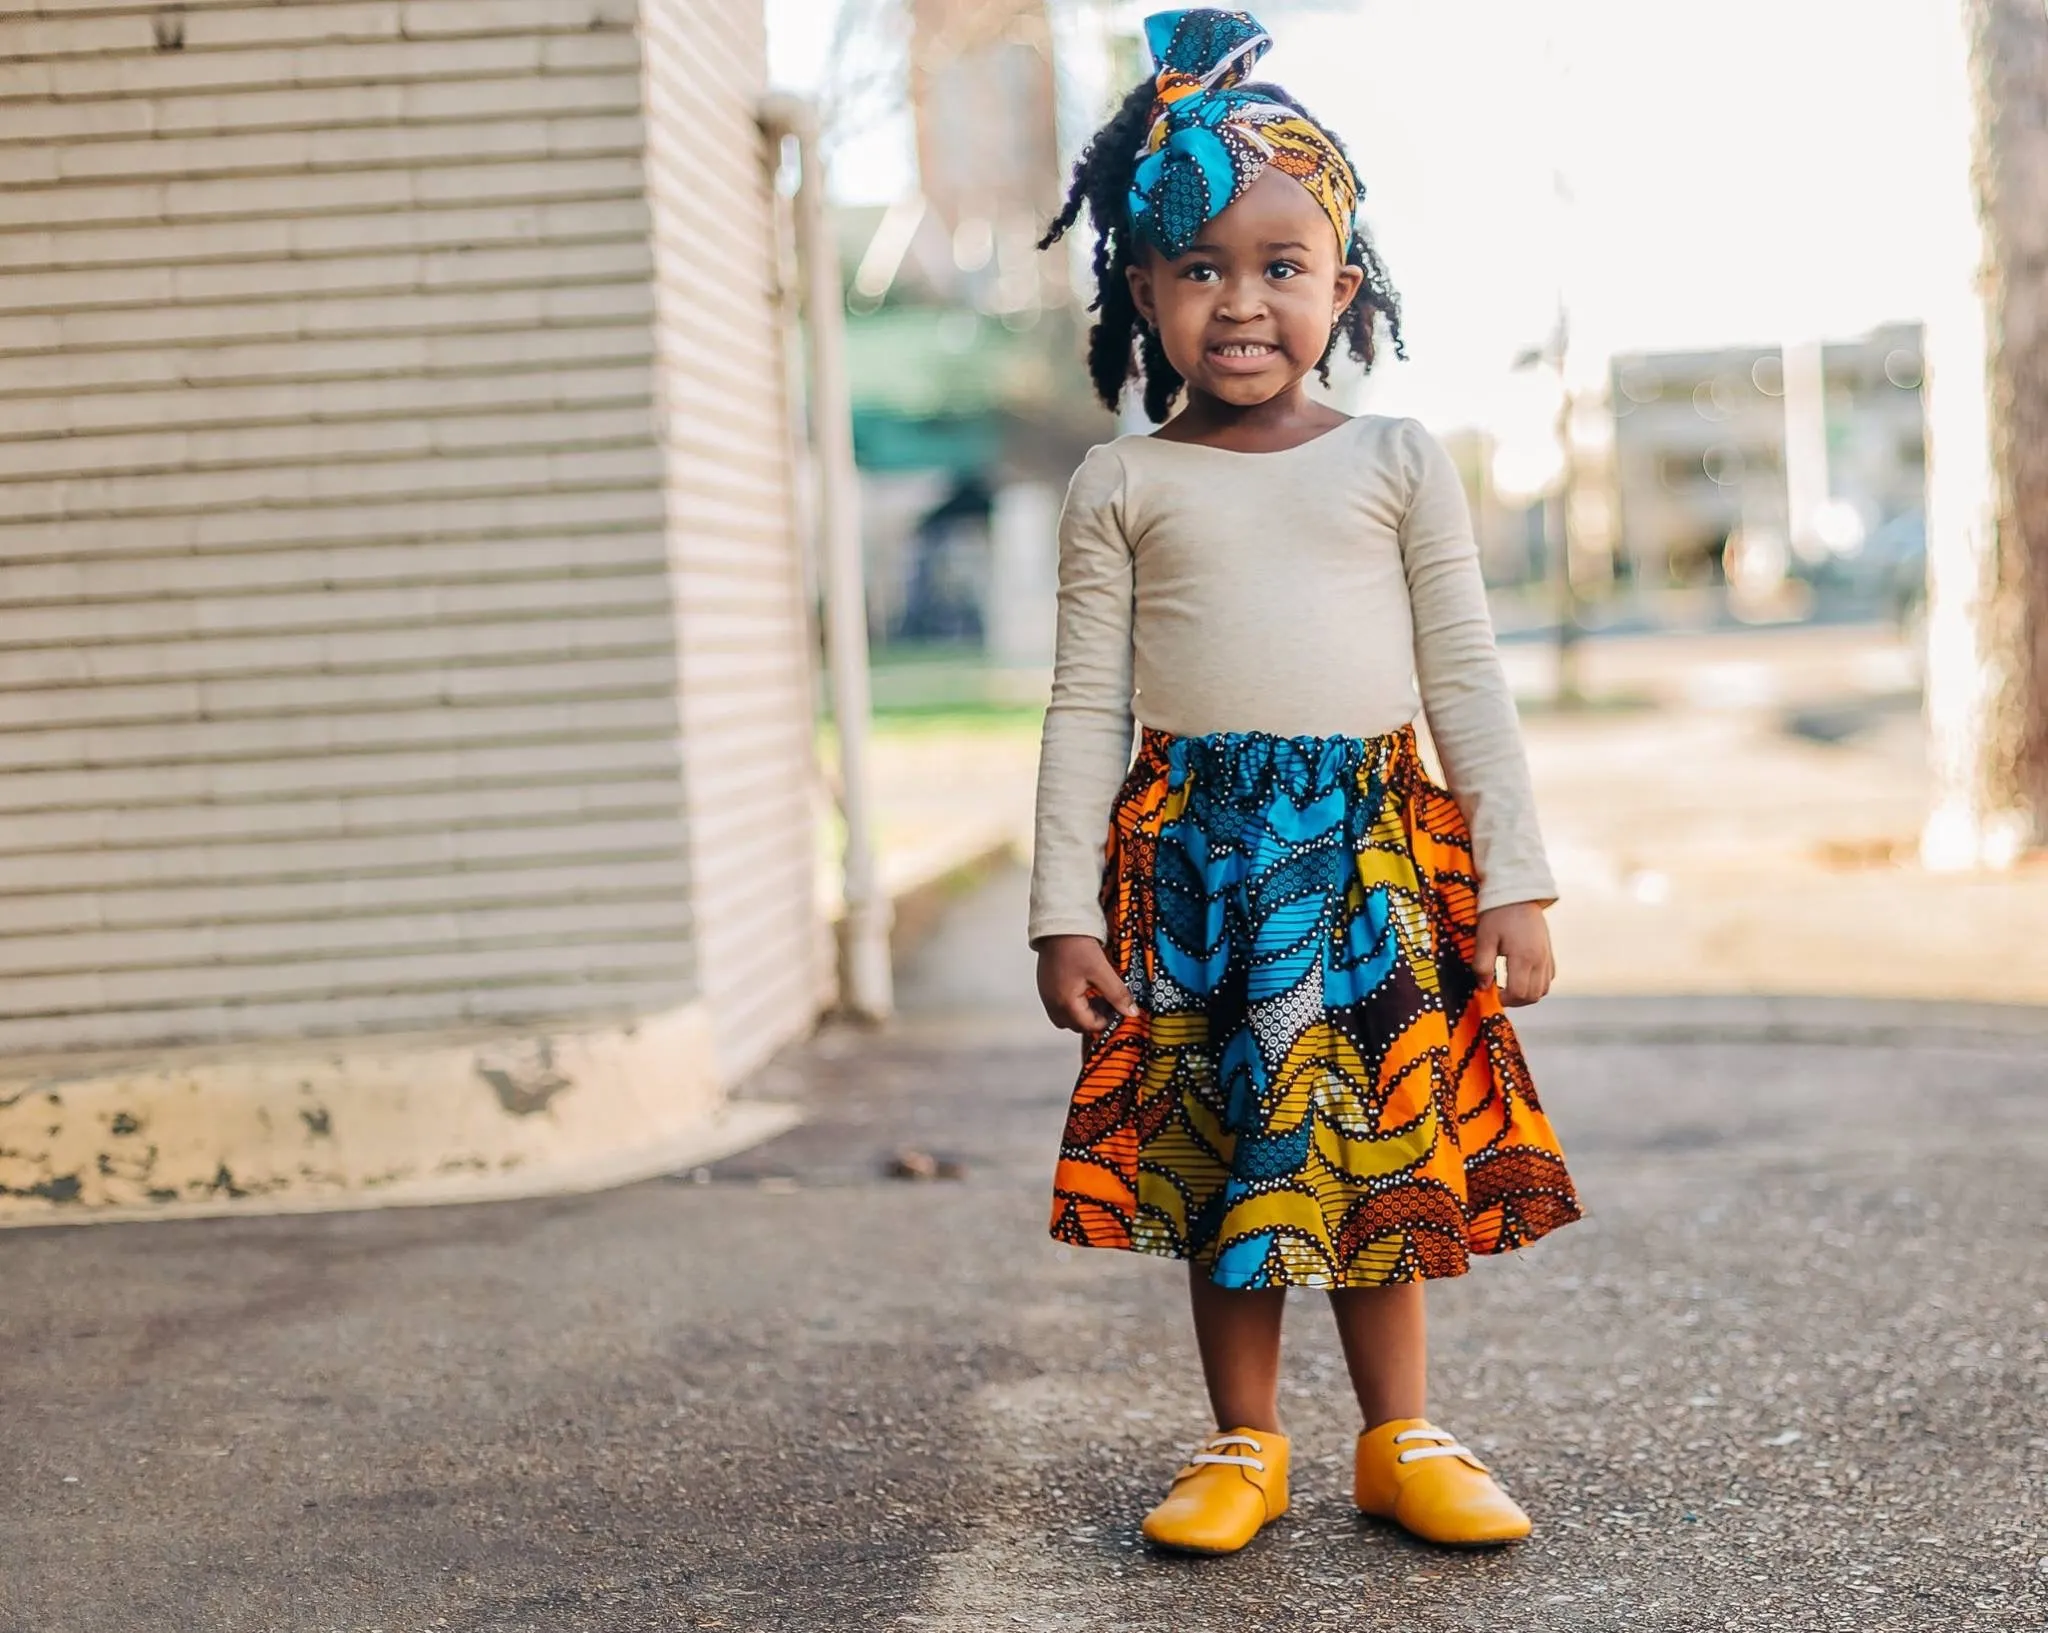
(1429, 1143)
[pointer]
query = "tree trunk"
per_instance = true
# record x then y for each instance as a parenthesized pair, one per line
(1988, 470)
(2010, 51)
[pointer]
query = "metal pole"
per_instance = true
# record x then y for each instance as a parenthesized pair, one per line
(1807, 483)
(866, 982)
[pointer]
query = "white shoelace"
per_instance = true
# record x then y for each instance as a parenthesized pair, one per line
(1441, 1445)
(1210, 1453)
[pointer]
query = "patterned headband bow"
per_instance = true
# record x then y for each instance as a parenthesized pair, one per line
(1210, 140)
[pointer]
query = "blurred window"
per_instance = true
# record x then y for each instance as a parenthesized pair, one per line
(1724, 464)
(1681, 471)
(1641, 385)
(1903, 368)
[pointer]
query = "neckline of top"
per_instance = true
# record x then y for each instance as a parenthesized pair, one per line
(1253, 453)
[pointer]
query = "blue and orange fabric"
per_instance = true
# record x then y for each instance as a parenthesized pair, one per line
(1210, 139)
(1315, 1091)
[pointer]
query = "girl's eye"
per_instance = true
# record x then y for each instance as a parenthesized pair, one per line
(1199, 273)
(1282, 270)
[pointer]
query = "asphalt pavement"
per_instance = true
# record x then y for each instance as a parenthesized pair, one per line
(1788, 1373)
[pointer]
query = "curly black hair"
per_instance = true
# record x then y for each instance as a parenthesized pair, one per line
(1102, 182)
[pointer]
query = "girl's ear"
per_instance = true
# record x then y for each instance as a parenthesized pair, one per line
(1350, 280)
(1139, 276)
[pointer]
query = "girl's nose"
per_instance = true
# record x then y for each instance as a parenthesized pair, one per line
(1243, 299)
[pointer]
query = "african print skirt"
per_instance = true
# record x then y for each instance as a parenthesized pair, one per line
(1314, 1092)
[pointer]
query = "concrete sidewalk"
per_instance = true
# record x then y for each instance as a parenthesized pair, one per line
(1787, 1374)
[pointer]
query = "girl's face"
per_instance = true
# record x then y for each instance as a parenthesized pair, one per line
(1247, 311)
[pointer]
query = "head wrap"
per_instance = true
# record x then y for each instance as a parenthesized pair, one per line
(1210, 140)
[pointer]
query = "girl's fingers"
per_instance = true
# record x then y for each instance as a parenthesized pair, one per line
(1067, 1010)
(1082, 1013)
(1077, 983)
(1528, 980)
(1111, 986)
(1486, 954)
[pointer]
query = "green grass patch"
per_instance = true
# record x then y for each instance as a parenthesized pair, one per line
(922, 717)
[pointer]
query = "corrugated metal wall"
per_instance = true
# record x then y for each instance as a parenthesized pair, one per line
(348, 564)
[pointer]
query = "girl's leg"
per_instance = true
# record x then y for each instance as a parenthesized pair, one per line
(1238, 1333)
(1219, 1501)
(1447, 1499)
(1386, 1346)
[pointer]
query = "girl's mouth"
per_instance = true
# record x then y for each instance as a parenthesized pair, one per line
(1245, 355)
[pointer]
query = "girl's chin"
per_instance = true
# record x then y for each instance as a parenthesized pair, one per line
(1248, 390)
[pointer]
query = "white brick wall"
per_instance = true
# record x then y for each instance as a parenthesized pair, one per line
(400, 615)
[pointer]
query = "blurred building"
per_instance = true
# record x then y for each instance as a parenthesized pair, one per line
(403, 656)
(971, 401)
(983, 97)
(1516, 514)
(1699, 449)
(1509, 532)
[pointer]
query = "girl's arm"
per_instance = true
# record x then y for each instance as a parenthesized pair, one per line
(1085, 750)
(1472, 714)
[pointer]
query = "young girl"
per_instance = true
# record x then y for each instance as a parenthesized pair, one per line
(1296, 1068)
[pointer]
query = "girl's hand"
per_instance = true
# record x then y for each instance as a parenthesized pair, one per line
(1518, 933)
(1068, 967)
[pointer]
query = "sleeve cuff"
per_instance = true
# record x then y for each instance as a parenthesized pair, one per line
(1543, 892)
(1095, 929)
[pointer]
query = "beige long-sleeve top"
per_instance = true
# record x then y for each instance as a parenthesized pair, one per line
(1304, 592)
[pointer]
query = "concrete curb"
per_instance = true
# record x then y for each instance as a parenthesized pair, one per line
(723, 1133)
(348, 1122)
(1821, 1021)
(341, 1124)
(919, 907)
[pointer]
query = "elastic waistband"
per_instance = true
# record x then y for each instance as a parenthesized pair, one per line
(1255, 759)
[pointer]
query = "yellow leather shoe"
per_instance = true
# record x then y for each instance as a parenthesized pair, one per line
(1234, 1484)
(1418, 1476)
